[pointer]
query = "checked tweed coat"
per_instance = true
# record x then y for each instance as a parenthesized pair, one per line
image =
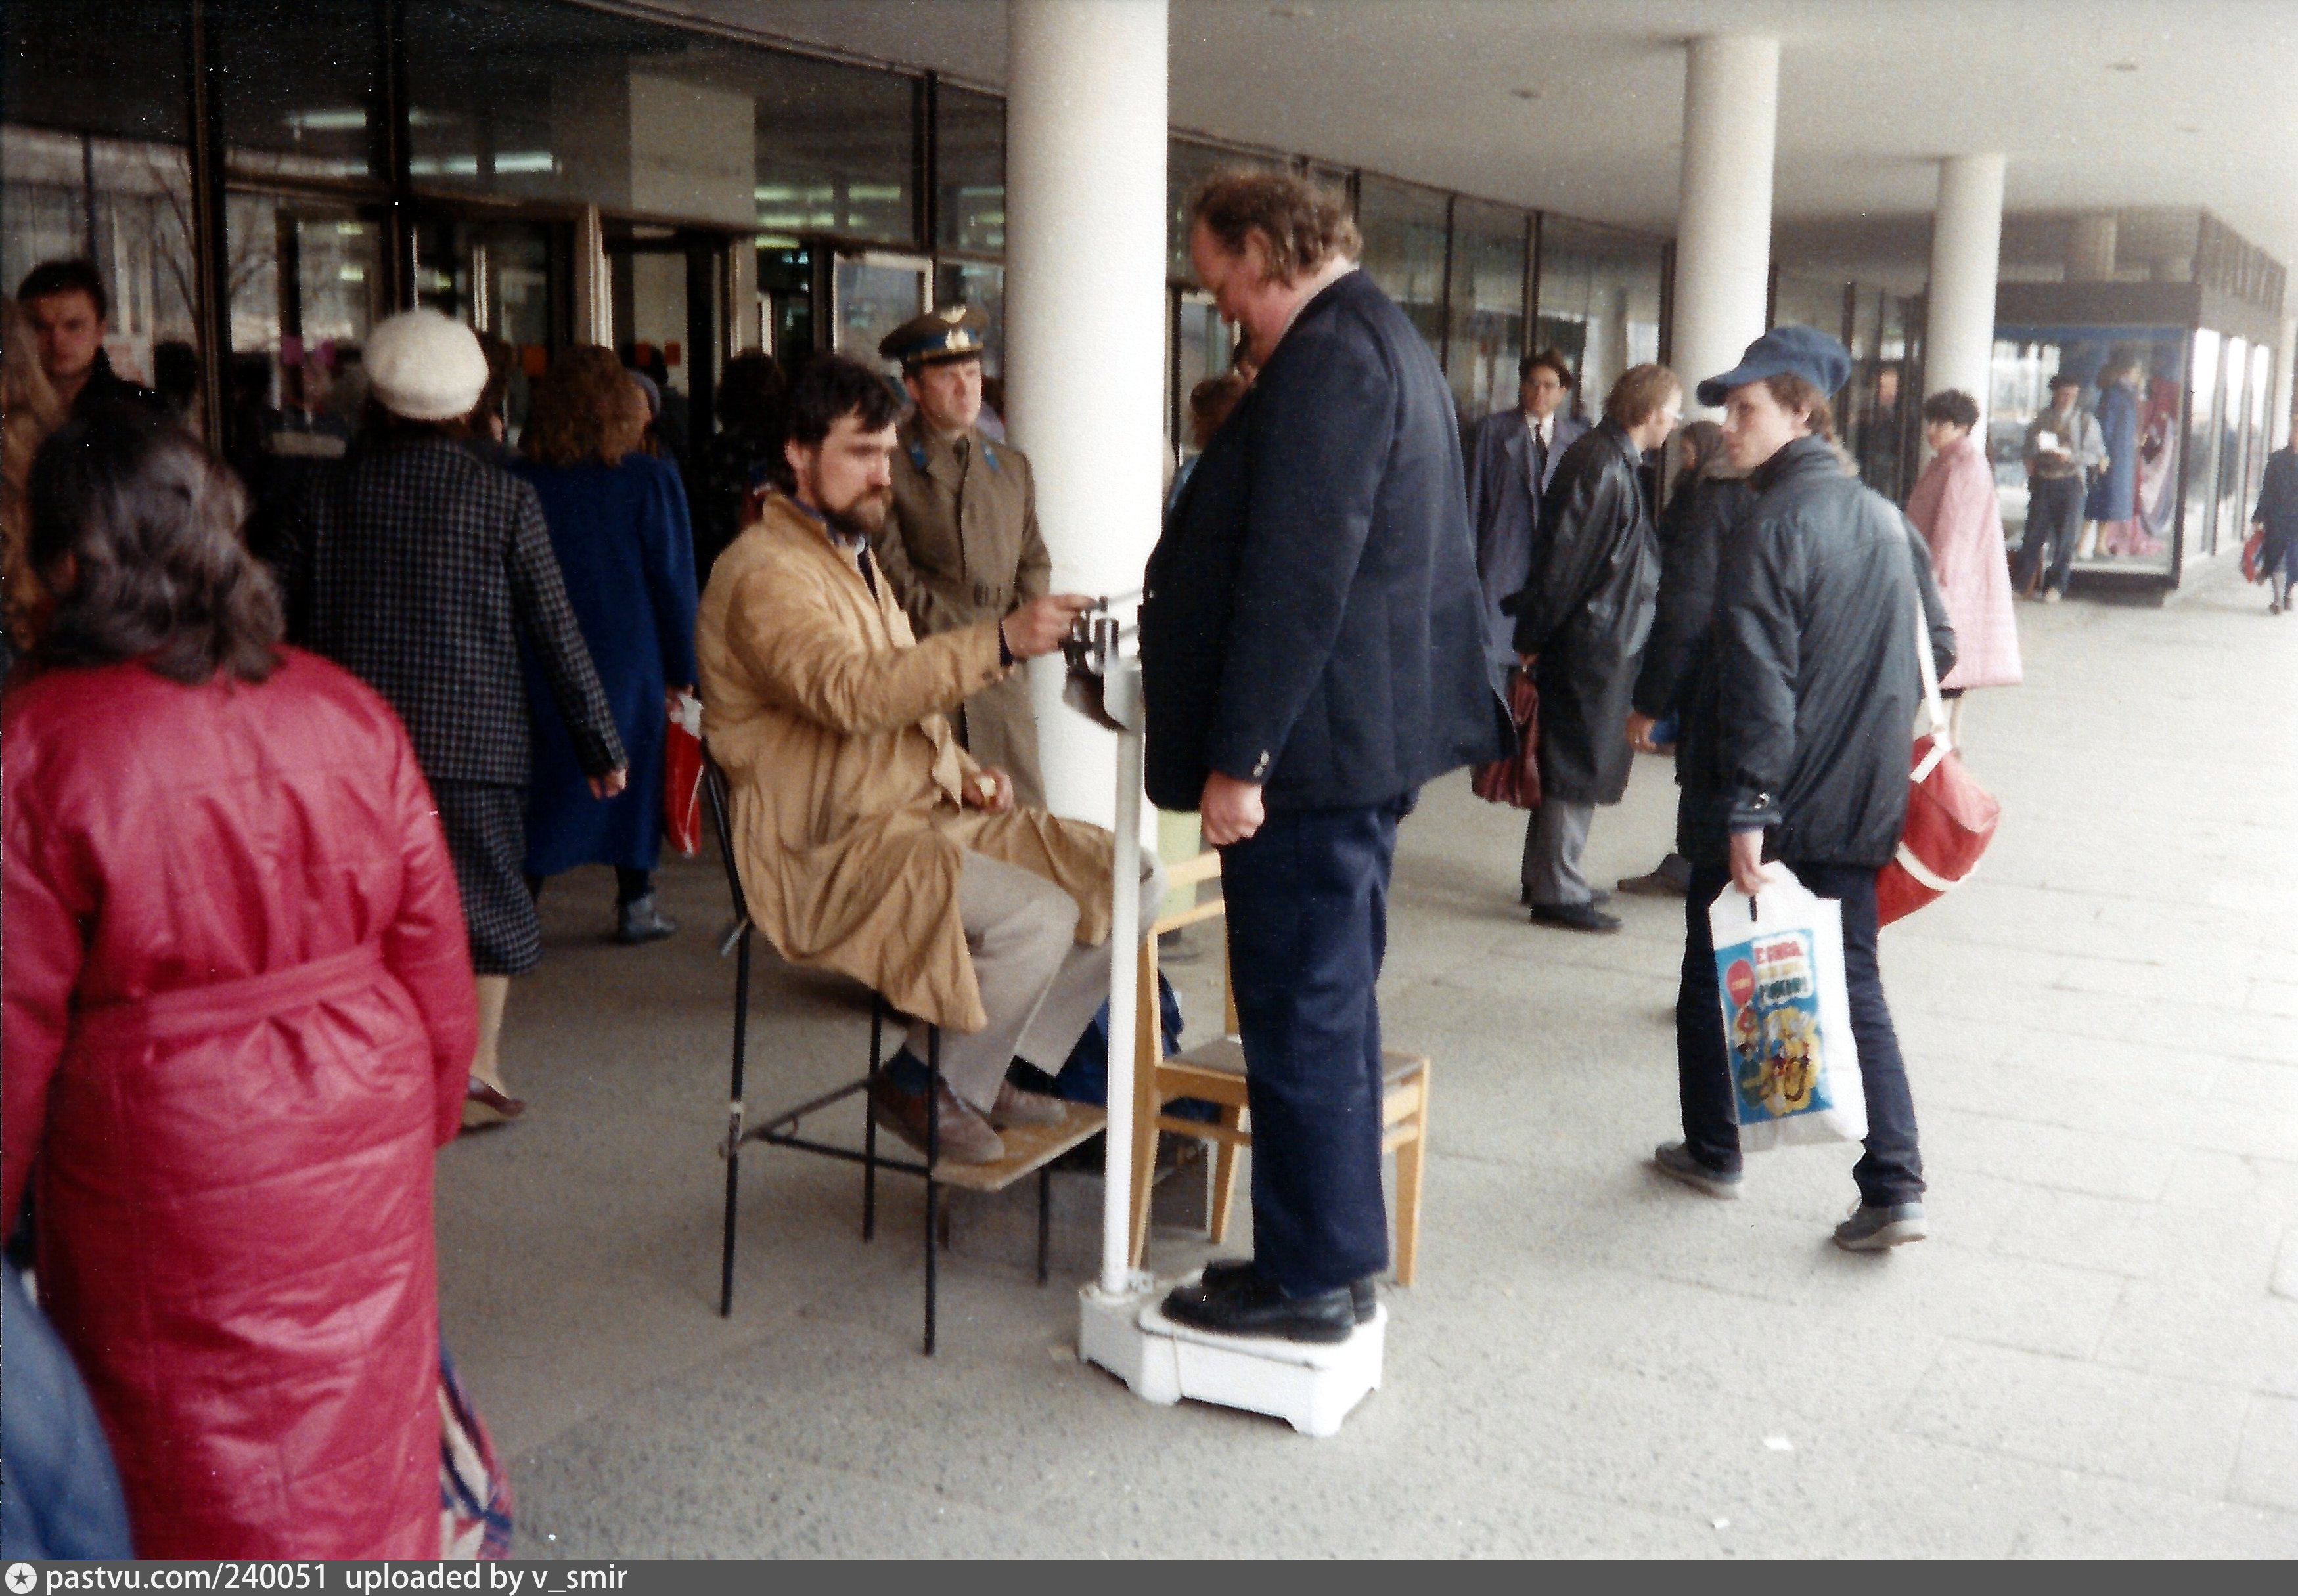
(420, 568)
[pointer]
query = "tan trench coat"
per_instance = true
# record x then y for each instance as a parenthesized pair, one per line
(960, 547)
(827, 716)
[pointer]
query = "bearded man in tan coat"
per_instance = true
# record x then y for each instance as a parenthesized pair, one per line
(868, 842)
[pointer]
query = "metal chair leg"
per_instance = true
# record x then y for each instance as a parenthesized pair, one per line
(1044, 1219)
(734, 1122)
(870, 1119)
(933, 1158)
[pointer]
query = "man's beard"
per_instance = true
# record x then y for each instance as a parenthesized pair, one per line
(865, 516)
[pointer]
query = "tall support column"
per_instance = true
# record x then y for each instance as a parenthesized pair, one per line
(1724, 222)
(1966, 249)
(1085, 118)
(2286, 379)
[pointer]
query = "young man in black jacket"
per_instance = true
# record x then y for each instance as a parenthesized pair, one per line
(1312, 650)
(1806, 758)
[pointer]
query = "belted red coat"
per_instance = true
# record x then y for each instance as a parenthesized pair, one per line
(237, 1013)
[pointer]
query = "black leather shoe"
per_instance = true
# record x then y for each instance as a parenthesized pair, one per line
(1575, 916)
(1225, 1275)
(1596, 894)
(1254, 1307)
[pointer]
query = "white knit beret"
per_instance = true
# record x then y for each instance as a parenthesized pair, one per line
(424, 367)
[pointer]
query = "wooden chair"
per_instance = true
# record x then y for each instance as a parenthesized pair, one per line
(1213, 1072)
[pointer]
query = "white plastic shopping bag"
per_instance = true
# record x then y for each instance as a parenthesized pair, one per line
(1786, 1014)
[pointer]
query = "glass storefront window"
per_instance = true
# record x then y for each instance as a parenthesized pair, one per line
(1486, 313)
(1814, 302)
(2234, 415)
(873, 294)
(970, 147)
(545, 100)
(92, 163)
(1202, 347)
(2263, 441)
(1598, 299)
(983, 286)
(299, 95)
(1404, 230)
(2202, 443)
(1874, 415)
(2026, 357)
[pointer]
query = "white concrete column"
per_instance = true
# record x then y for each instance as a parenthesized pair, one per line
(1723, 220)
(1085, 118)
(1966, 249)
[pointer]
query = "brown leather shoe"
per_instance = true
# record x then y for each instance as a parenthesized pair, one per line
(966, 1137)
(1018, 1106)
(484, 1105)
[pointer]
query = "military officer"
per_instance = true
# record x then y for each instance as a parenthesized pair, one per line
(962, 546)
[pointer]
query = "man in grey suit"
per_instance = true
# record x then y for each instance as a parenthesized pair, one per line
(1511, 457)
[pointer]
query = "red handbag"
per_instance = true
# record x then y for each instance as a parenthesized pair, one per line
(682, 778)
(2250, 548)
(1950, 818)
(1515, 780)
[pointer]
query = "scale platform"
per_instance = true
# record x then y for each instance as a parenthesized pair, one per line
(1312, 1389)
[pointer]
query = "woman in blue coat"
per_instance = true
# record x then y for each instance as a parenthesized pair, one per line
(618, 524)
(2114, 496)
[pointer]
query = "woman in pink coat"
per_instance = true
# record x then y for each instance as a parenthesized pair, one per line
(1953, 507)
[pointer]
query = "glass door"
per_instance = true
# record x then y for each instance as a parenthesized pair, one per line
(666, 287)
(870, 294)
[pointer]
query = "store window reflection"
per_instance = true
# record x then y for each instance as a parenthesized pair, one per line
(969, 196)
(300, 93)
(1485, 336)
(91, 164)
(1404, 228)
(2132, 388)
(2202, 442)
(1598, 299)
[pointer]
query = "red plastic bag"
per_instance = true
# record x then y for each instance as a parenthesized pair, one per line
(1515, 780)
(682, 778)
(2250, 547)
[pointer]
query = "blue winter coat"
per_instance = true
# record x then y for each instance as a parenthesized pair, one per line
(2115, 497)
(626, 549)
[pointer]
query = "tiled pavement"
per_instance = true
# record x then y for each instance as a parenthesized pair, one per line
(2097, 1352)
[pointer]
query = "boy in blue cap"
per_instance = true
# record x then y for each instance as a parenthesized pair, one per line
(1799, 733)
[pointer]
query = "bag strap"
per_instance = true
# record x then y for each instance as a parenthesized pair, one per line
(1941, 743)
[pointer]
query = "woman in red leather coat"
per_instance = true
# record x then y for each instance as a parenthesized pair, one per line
(238, 1014)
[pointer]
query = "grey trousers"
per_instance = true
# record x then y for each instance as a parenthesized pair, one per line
(1039, 985)
(1553, 840)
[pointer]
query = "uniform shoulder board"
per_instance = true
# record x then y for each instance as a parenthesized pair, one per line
(918, 455)
(988, 455)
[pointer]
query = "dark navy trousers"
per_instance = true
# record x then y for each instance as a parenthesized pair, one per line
(1892, 1170)
(1308, 923)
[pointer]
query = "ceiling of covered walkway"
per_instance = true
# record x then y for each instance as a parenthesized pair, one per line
(1575, 105)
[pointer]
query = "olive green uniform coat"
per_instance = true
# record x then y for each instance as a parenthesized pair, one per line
(960, 547)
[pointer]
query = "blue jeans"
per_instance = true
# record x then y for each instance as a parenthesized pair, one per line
(1892, 1172)
(2054, 518)
(1308, 924)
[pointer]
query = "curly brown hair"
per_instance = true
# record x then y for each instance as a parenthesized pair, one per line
(1301, 225)
(136, 531)
(585, 407)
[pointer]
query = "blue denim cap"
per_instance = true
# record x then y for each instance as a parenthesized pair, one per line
(1811, 355)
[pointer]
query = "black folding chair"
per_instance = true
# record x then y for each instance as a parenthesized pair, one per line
(783, 1129)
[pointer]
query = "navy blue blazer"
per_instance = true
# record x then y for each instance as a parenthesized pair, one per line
(1313, 619)
(1504, 509)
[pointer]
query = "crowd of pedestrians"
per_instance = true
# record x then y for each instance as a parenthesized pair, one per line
(281, 798)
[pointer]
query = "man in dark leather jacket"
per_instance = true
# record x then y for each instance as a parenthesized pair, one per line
(1805, 760)
(1581, 622)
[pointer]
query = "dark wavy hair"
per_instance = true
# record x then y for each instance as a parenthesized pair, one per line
(829, 387)
(585, 407)
(1301, 225)
(150, 528)
(1640, 391)
(1953, 405)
